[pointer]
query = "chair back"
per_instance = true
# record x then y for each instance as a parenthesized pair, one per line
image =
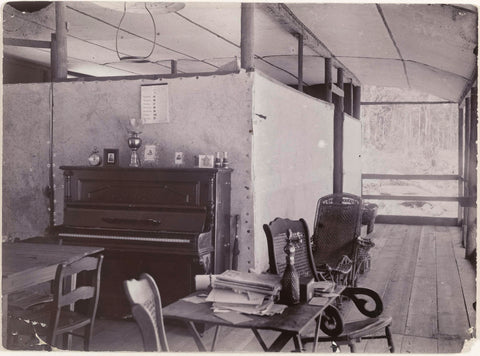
(144, 298)
(337, 225)
(88, 270)
(276, 233)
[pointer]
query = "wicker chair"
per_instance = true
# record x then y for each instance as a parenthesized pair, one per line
(336, 331)
(336, 228)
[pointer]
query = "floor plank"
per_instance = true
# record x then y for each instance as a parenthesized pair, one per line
(452, 317)
(422, 308)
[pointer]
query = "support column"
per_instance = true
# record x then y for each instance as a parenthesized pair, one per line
(470, 243)
(328, 79)
(460, 164)
(357, 93)
(300, 62)
(338, 137)
(173, 67)
(348, 99)
(60, 53)
(247, 32)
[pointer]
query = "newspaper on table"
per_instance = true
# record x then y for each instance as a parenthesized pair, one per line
(268, 284)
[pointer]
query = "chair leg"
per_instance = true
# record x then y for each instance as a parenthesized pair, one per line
(87, 336)
(352, 346)
(388, 334)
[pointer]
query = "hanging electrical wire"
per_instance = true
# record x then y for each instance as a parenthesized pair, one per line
(136, 59)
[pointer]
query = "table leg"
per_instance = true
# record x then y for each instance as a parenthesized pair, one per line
(297, 340)
(280, 342)
(214, 342)
(196, 336)
(260, 340)
(317, 331)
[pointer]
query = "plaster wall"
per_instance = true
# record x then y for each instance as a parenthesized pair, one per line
(292, 156)
(25, 160)
(206, 115)
(352, 155)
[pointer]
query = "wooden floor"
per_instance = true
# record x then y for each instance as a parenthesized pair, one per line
(426, 284)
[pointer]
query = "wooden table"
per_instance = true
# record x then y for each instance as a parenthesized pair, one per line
(28, 264)
(292, 323)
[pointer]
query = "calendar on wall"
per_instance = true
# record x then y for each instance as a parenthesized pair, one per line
(154, 101)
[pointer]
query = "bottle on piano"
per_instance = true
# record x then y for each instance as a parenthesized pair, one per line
(290, 292)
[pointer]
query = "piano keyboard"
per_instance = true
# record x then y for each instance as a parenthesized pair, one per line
(127, 238)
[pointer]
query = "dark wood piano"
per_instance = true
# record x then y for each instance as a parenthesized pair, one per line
(172, 223)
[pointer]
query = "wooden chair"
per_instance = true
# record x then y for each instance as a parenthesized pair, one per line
(57, 318)
(336, 331)
(336, 228)
(144, 298)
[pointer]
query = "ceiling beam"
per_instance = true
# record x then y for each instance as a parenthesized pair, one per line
(292, 24)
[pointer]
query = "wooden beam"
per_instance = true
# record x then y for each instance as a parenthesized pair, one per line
(415, 220)
(336, 90)
(60, 68)
(300, 62)
(348, 98)
(412, 176)
(53, 56)
(357, 93)
(405, 102)
(409, 197)
(328, 79)
(287, 19)
(25, 43)
(247, 36)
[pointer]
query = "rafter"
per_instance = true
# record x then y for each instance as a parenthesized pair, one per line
(292, 24)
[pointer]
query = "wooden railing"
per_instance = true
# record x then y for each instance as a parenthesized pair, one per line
(423, 220)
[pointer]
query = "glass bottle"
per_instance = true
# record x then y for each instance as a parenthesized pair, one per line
(290, 292)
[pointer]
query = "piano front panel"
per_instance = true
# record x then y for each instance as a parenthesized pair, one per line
(135, 219)
(139, 192)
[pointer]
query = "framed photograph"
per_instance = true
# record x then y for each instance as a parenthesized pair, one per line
(110, 157)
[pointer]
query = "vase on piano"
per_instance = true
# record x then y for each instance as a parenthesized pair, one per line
(134, 141)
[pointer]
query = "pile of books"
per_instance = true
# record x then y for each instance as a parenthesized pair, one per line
(322, 292)
(243, 292)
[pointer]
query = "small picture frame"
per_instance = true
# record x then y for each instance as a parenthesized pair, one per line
(110, 157)
(204, 161)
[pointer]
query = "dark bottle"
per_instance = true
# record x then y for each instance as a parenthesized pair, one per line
(290, 293)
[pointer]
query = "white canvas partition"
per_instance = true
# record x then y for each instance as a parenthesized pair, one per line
(352, 155)
(292, 156)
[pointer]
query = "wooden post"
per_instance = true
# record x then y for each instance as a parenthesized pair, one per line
(247, 32)
(53, 57)
(60, 53)
(300, 62)
(328, 79)
(357, 93)
(338, 137)
(348, 98)
(173, 66)
(460, 164)
(466, 151)
(470, 243)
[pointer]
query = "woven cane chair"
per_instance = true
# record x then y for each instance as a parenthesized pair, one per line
(335, 330)
(336, 228)
(144, 298)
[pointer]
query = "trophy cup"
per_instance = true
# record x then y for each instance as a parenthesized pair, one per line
(134, 141)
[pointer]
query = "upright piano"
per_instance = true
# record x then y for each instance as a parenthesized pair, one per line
(172, 223)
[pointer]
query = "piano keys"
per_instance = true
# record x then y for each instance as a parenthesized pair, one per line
(172, 223)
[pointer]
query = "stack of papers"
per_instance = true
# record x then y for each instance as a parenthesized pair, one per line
(267, 284)
(247, 293)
